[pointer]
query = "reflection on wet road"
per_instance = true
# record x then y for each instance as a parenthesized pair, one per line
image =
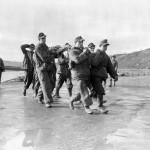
(28, 125)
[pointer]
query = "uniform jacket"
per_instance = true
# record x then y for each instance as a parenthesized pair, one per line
(115, 64)
(81, 67)
(2, 67)
(44, 58)
(28, 58)
(101, 65)
(63, 67)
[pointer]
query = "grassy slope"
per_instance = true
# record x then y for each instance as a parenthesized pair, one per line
(135, 60)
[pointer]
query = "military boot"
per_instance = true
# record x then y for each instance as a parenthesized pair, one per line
(70, 103)
(24, 92)
(100, 107)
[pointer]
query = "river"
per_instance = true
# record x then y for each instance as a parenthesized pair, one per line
(11, 74)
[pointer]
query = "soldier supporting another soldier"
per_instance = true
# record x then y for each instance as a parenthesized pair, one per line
(80, 69)
(64, 72)
(44, 70)
(28, 65)
(2, 68)
(101, 64)
(115, 65)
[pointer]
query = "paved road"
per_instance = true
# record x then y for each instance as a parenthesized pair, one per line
(28, 125)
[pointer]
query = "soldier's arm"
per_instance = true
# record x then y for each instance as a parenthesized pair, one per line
(38, 51)
(23, 48)
(110, 69)
(77, 58)
(116, 66)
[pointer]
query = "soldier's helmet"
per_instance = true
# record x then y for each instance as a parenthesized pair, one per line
(104, 42)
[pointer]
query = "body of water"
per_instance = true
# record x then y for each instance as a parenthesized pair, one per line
(11, 74)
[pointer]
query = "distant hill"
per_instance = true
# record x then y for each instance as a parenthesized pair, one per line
(135, 60)
(11, 65)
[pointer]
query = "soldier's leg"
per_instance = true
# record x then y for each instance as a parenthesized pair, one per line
(110, 85)
(0, 75)
(46, 86)
(83, 93)
(40, 95)
(37, 85)
(69, 85)
(59, 84)
(98, 87)
(25, 81)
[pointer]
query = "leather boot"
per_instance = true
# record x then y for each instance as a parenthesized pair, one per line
(24, 92)
(100, 107)
(70, 103)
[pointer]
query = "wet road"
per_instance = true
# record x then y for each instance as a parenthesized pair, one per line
(28, 125)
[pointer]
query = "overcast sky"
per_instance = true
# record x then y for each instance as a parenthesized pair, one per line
(125, 23)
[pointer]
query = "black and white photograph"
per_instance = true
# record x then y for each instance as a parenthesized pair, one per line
(74, 74)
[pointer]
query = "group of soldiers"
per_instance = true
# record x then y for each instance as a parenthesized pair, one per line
(82, 64)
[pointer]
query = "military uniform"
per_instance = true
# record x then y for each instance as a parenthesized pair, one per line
(2, 68)
(115, 65)
(27, 66)
(100, 66)
(44, 70)
(64, 75)
(36, 82)
(81, 74)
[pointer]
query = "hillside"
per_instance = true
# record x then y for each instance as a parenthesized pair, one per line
(135, 60)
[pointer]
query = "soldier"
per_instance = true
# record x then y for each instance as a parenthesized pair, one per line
(44, 70)
(101, 64)
(115, 65)
(2, 68)
(36, 85)
(80, 70)
(64, 72)
(28, 65)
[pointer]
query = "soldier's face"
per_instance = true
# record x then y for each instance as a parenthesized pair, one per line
(104, 47)
(43, 40)
(92, 49)
(79, 44)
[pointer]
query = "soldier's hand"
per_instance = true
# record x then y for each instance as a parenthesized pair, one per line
(116, 78)
(86, 50)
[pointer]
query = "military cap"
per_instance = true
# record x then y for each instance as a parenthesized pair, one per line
(91, 45)
(79, 38)
(41, 35)
(104, 42)
(32, 46)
